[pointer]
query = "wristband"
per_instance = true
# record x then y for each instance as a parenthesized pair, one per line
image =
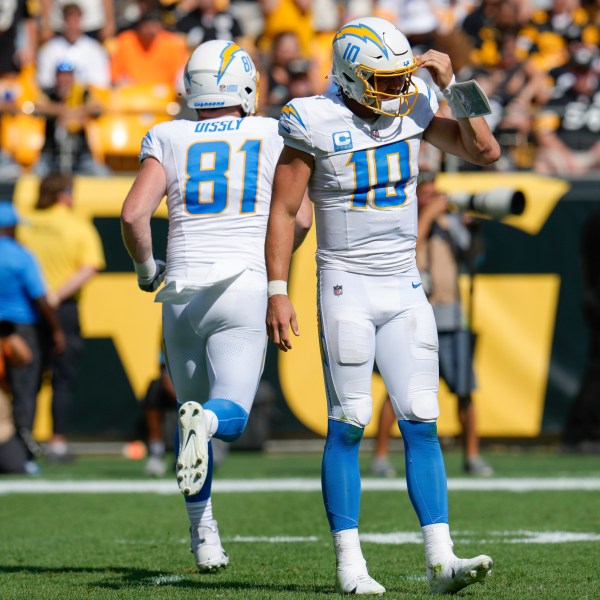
(145, 270)
(466, 100)
(452, 82)
(277, 286)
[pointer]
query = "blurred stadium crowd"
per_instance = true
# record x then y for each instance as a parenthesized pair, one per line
(82, 82)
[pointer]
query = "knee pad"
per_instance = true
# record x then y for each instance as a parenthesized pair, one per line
(422, 396)
(357, 409)
(232, 418)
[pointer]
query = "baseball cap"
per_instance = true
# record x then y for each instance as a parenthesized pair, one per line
(65, 66)
(8, 215)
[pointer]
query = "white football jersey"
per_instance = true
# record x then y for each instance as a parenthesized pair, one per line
(219, 179)
(364, 182)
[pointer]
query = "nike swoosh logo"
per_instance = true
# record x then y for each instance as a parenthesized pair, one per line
(416, 285)
(189, 437)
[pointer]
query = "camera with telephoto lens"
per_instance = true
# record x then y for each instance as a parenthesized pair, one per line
(496, 203)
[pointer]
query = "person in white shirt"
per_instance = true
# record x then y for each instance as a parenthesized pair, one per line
(89, 57)
(98, 18)
(217, 174)
(356, 148)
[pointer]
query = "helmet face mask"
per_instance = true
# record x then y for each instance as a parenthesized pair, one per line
(221, 74)
(373, 64)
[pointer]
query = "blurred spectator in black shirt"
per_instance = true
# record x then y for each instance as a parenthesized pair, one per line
(67, 107)
(16, 53)
(568, 127)
(486, 26)
(203, 21)
(286, 67)
(516, 88)
(553, 35)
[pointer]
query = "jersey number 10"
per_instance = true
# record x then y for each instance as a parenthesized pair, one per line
(381, 175)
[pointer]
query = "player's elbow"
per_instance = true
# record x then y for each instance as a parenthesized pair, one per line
(131, 215)
(489, 153)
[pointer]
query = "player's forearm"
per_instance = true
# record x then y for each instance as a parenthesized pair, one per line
(135, 229)
(479, 142)
(279, 245)
(137, 238)
(142, 201)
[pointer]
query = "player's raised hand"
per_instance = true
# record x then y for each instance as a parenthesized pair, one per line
(281, 316)
(439, 66)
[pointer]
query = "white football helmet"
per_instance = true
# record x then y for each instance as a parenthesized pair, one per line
(219, 73)
(367, 53)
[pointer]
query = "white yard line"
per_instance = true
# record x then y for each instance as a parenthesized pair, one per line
(240, 486)
(400, 538)
(520, 536)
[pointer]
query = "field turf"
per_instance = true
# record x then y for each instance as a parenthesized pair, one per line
(83, 544)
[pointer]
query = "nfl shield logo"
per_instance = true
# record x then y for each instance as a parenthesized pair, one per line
(375, 134)
(338, 290)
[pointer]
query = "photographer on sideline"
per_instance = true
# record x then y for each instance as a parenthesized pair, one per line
(444, 242)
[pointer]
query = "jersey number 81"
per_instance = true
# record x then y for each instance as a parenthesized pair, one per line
(217, 155)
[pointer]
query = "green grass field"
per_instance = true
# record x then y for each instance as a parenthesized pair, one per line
(92, 545)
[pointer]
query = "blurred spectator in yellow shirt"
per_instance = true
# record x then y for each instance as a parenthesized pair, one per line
(287, 15)
(70, 253)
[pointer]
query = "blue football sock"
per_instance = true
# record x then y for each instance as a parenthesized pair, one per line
(232, 418)
(340, 475)
(425, 471)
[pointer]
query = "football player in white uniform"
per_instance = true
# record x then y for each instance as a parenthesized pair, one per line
(356, 148)
(217, 174)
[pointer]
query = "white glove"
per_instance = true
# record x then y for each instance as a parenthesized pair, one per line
(150, 283)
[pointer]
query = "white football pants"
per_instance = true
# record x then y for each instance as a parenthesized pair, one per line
(215, 344)
(388, 319)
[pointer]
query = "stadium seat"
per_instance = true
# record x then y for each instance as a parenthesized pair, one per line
(22, 136)
(129, 112)
(141, 98)
(21, 133)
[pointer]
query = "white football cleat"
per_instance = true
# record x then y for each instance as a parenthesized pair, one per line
(192, 460)
(207, 550)
(349, 580)
(458, 573)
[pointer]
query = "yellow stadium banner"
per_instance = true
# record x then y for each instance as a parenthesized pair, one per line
(514, 318)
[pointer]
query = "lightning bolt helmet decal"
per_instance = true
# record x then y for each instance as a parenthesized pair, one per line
(364, 33)
(226, 57)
